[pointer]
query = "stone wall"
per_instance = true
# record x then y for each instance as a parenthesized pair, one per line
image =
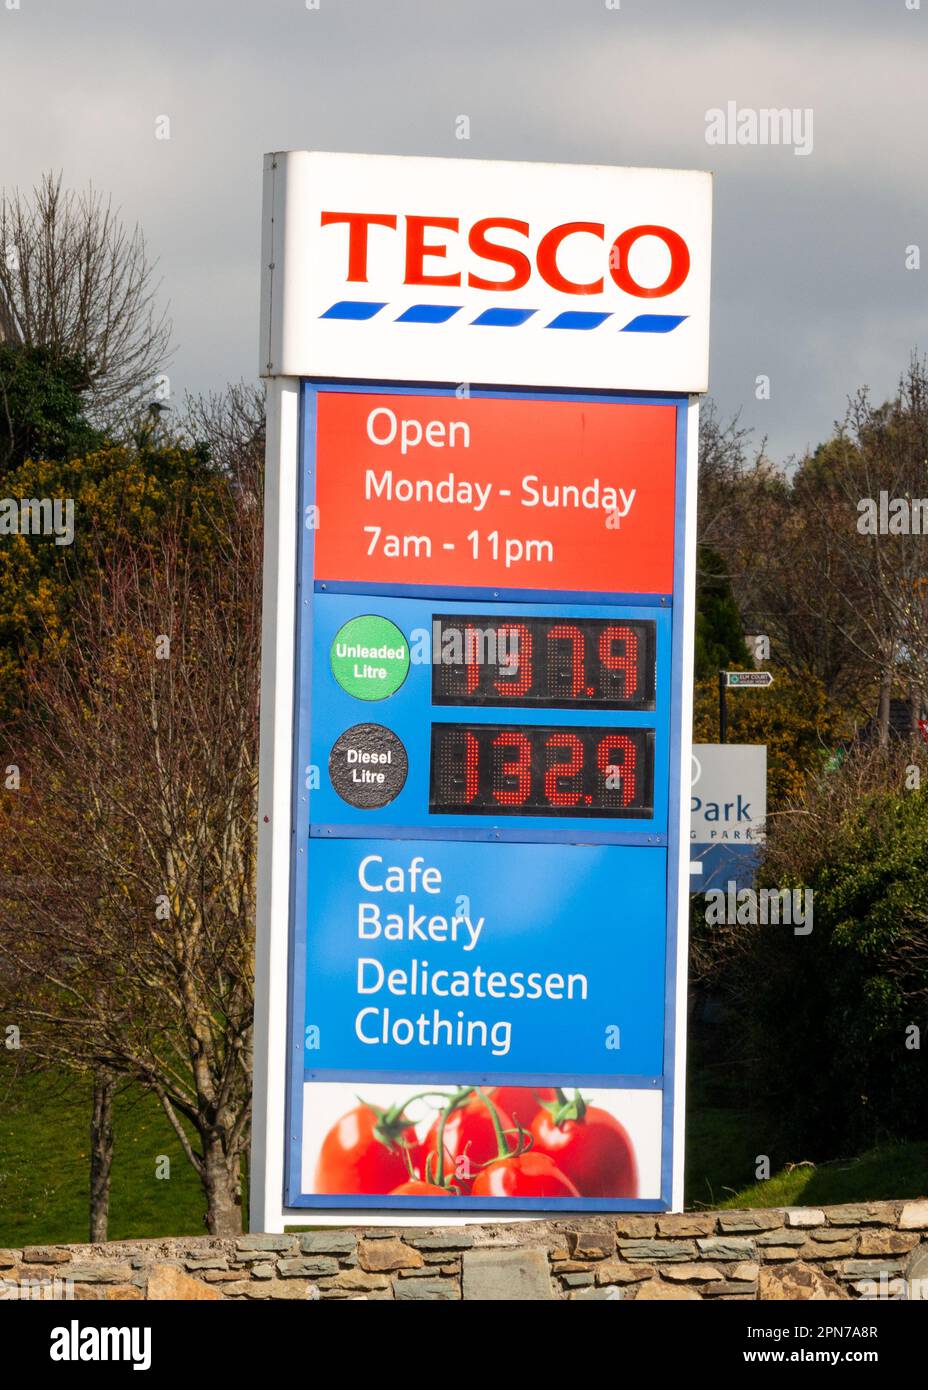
(868, 1250)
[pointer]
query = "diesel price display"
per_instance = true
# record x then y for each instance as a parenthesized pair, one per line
(541, 770)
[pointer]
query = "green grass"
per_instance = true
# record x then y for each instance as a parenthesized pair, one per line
(44, 1169)
(893, 1170)
(44, 1164)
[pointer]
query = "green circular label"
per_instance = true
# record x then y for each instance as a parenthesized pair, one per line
(369, 657)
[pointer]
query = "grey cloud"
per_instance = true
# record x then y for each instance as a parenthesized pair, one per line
(809, 285)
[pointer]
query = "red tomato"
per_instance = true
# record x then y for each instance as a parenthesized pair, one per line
(363, 1152)
(594, 1151)
(529, 1175)
(521, 1102)
(415, 1188)
(469, 1135)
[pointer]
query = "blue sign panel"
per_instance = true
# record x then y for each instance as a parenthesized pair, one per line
(488, 804)
(419, 961)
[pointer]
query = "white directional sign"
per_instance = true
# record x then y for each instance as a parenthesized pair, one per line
(756, 680)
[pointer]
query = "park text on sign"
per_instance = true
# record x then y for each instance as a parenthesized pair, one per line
(488, 851)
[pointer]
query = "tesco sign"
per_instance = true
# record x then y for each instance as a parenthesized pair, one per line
(421, 243)
(567, 275)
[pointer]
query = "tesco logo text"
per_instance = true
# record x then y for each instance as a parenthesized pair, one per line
(424, 241)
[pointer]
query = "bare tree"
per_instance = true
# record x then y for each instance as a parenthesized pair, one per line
(230, 425)
(76, 281)
(129, 926)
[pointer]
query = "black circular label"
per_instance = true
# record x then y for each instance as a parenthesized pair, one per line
(368, 766)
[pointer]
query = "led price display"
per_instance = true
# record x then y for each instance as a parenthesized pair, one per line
(541, 770)
(557, 662)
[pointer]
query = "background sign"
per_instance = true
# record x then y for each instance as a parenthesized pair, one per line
(728, 813)
(475, 759)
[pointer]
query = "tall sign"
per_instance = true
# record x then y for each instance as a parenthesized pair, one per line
(477, 673)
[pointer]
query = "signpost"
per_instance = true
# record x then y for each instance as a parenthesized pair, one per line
(476, 707)
(738, 680)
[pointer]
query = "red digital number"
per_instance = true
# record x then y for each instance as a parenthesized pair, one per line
(567, 632)
(625, 661)
(558, 771)
(471, 658)
(624, 770)
(471, 768)
(515, 657)
(520, 767)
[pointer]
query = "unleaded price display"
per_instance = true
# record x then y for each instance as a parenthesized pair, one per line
(547, 661)
(534, 769)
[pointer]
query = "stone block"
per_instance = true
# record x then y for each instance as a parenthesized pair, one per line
(773, 1253)
(781, 1238)
(662, 1250)
(301, 1267)
(507, 1275)
(636, 1227)
(797, 1281)
(105, 1272)
(290, 1289)
(818, 1250)
(379, 1255)
(719, 1248)
(432, 1290)
(618, 1272)
(886, 1242)
(106, 1293)
(804, 1216)
(328, 1243)
(275, 1244)
(166, 1282)
(695, 1273)
(832, 1235)
(746, 1222)
(439, 1240)
(655, 1290)
(686, 1224)
(914, 1216)
(359, 1279)
(590, 1244)
(871, 1269)
(916, 1273)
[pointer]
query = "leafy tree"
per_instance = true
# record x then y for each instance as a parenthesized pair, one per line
(41, 408)
(128, 855)
(719, 637)
(794, 718)
(828, 1018)
(122, 496)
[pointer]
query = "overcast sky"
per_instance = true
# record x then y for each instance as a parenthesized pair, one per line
(809, 278)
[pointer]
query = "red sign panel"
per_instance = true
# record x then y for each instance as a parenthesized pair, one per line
(477, 492)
